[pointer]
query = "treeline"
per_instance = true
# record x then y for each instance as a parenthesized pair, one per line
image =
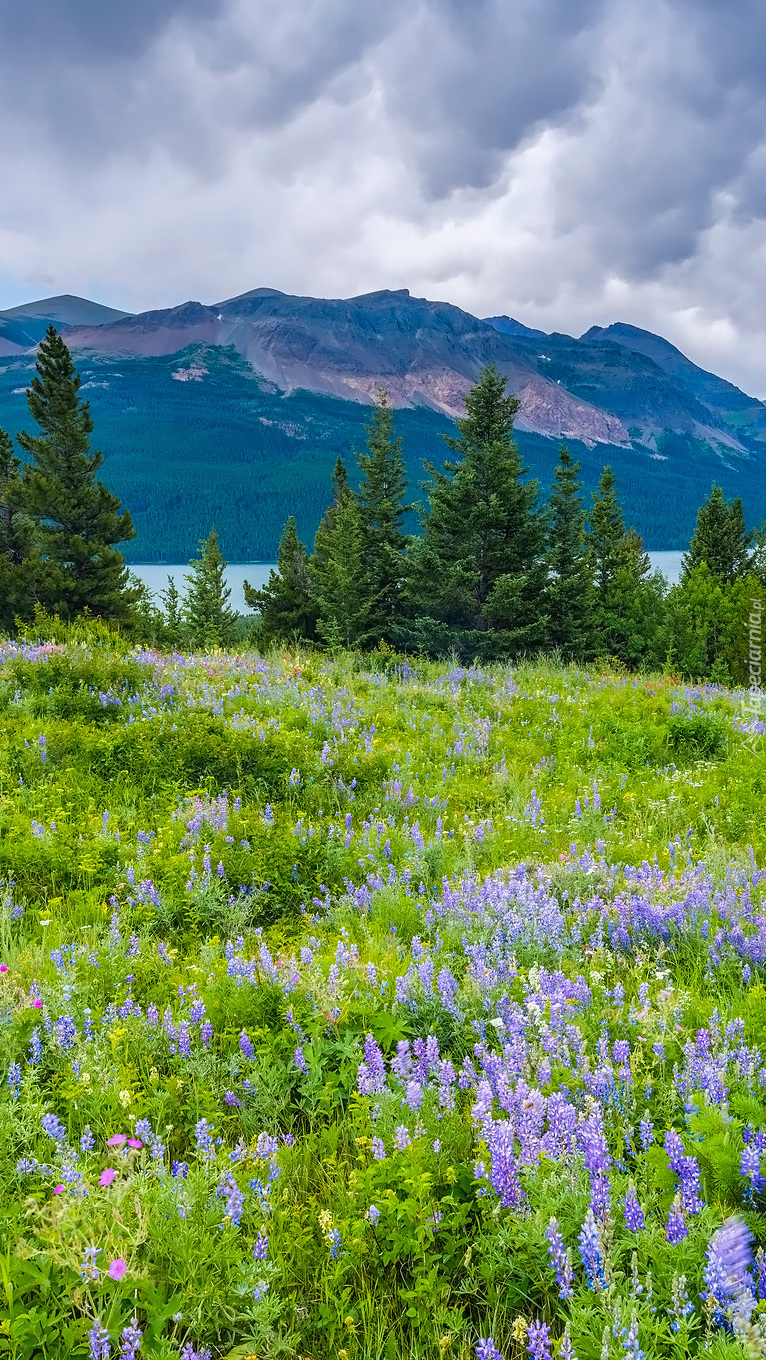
(493, 574)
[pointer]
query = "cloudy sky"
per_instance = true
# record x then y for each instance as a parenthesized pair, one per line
(569, 162)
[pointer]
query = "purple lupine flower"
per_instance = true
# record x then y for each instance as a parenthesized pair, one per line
(487, 1350)
(131, 1340)
(204, 1136)
(246, 1046)
(566, 1351)
(14, 1079)
(230, 1191)
(261, 1247)
(89, 1270)
(592, 1251)
(630, 1341)
(634, 1214)
(676, 1228)
(402, 1138)
(336, 1243)
(681, 1303)
(300, 1060)
(750, 1166)
(373, 1214)
(53, 1127)
(538, 1341)
(378, 1149)
(560, 1259)
(726, 1275)
(87, 1141)
(99, 1346)
(646, 1132)
(413, 1095)
(371, 1077)
(35, 1047)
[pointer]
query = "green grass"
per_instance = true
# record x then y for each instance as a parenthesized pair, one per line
(406, 853)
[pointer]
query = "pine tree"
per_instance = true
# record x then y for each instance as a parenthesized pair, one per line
(569, 594)
(628, 601)
(382, 502)
(721, 539)
(210, 621)
(479, 564)
(77, 520)
(18, 570)
(173, 612)
(284, 603)
(607, 534)
(336, 569)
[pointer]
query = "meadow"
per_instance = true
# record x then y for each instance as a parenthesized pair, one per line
(362, 1008)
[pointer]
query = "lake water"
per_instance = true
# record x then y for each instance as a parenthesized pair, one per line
(155, 575)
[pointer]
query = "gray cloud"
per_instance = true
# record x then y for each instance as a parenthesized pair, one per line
(576, 161)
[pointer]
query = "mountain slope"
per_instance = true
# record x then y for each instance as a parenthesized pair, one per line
(424, 353)
(235, 411)
(25, 325)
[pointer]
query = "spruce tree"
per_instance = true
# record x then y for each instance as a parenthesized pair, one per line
(721, 539)
(18, 569)
(209, 619)
(607, 534)
(479, 564)
(382, 503)
(284, 603)
(337, 577)
(172, 610)
(77, 520)
(628, 601)
(569, 593)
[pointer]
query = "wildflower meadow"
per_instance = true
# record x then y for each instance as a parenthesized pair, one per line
(358, 1007)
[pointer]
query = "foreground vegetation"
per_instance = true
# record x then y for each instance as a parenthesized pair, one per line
(360, 1007)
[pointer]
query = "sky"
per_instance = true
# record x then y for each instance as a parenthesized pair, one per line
(566, 162)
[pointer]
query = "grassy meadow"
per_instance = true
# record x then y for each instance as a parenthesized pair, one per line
(361, 1008)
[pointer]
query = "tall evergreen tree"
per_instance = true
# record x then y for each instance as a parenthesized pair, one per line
(208, 617)
(382, 500)
(479, 564)
(336, 569)
(284, 603)
(721, 539)
(77, 520)
(628, 600)
(569, 593)
(607, 534)
(17, 569)
(173, 613)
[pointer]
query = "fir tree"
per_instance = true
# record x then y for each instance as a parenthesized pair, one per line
(721, 539)
(284, 603)
(569, 593)
(17, 568)
(210, 621)
(382, 503)
(173, 612)
(628, 601)
(607, 534)
(336, 570)
(77, 520)
(479, 564)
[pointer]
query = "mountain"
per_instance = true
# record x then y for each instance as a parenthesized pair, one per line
(24, 326)
(235, 411)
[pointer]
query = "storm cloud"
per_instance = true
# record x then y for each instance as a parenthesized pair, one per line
(569, 162)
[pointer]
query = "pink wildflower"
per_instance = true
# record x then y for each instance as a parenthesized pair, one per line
(117, 1268)
(117, 1140)
(107, 1176)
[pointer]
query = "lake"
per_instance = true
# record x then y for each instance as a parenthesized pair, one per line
(155, 575)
